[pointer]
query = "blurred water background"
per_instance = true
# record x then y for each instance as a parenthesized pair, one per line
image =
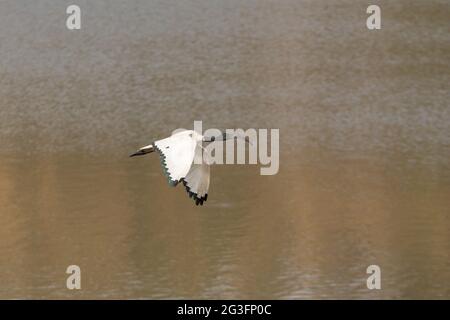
(364, 138)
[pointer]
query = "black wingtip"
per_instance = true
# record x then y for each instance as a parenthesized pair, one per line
(198, 200)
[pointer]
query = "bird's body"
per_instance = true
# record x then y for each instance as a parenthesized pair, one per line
(177, 154)
(183, 160)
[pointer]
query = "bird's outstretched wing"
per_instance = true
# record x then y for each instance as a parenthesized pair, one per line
(177, 154)
(197, 180)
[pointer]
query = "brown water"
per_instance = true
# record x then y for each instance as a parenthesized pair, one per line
(364, 123)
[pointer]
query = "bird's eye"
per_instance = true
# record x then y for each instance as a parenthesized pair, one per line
(167, 147)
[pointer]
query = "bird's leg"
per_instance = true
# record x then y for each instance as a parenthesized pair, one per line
(143, 150)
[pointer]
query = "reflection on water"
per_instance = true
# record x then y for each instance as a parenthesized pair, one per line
(364, 131)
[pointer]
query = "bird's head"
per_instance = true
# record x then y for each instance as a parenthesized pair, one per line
(227, 136)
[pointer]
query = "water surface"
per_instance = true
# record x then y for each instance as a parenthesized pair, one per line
(364, 137)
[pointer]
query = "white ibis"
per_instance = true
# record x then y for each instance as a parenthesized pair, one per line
(177, 154)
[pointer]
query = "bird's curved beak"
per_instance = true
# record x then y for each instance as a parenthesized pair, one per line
(247, 139)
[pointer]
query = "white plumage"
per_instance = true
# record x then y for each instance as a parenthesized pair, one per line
(177, 154)
(197, 179)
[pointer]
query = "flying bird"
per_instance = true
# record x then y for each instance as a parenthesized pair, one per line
(177, 154)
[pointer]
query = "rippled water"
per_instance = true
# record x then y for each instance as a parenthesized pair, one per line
(364, 123)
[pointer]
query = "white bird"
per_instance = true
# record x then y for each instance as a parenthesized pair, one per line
(177, 154)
